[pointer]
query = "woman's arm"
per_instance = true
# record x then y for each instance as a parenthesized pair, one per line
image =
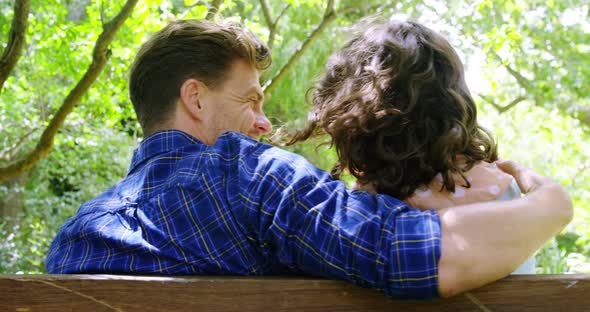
(484, 242)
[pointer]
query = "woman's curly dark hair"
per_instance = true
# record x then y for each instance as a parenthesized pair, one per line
(396, 106)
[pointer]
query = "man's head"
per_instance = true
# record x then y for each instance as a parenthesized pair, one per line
(200, 77)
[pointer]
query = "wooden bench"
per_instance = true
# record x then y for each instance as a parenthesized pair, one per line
(142, 293)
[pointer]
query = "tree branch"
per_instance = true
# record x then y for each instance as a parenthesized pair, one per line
(329, 8)
(190, 7)
(283, 11)
(100, 56)
(530, 89)
(502, 109)
(102, 13)
(522, 81)
(16, 39)
(329, 16)
(272, 25)
(266, 13)
(489, 100)
(213, 9)
(272, 29)
(9, 153)
(513, 103)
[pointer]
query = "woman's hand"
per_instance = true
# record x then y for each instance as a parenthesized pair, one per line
(527, 179)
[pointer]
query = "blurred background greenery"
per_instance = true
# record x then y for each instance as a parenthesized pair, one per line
(527, 62)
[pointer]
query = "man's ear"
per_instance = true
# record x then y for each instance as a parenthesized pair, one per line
(191, 92)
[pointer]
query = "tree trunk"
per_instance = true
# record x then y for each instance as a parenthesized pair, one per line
(12, 202)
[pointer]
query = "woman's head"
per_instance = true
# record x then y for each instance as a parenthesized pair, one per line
(396, 106)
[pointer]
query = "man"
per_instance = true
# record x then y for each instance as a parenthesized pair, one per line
(201, 200)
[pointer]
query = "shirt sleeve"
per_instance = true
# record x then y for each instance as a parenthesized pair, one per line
(311, 223)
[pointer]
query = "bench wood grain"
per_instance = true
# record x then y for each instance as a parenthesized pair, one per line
(141, 293)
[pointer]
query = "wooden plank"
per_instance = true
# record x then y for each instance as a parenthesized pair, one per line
(136, 293)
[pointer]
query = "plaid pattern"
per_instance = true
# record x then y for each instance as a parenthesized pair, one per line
(242, 207)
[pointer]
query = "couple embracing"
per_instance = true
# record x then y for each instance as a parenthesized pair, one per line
(434, 212)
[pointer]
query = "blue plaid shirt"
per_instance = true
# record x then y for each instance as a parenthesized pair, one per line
(242, 207)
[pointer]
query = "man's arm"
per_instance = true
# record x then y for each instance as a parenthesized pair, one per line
(303, 221)
(484, 242)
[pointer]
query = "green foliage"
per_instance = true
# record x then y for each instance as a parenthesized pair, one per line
(81, 166)
(534, 49)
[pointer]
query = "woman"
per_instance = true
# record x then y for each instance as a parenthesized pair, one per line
(396, 106)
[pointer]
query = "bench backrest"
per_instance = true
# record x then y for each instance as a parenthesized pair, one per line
(139, 293)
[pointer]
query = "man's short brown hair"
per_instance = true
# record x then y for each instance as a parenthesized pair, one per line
(186, 49)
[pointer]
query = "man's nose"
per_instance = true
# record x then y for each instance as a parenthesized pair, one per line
(262, 124)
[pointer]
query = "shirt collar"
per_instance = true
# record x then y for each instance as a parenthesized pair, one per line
(160, 142)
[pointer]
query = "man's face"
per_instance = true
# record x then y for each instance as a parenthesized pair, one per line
(236, 104)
